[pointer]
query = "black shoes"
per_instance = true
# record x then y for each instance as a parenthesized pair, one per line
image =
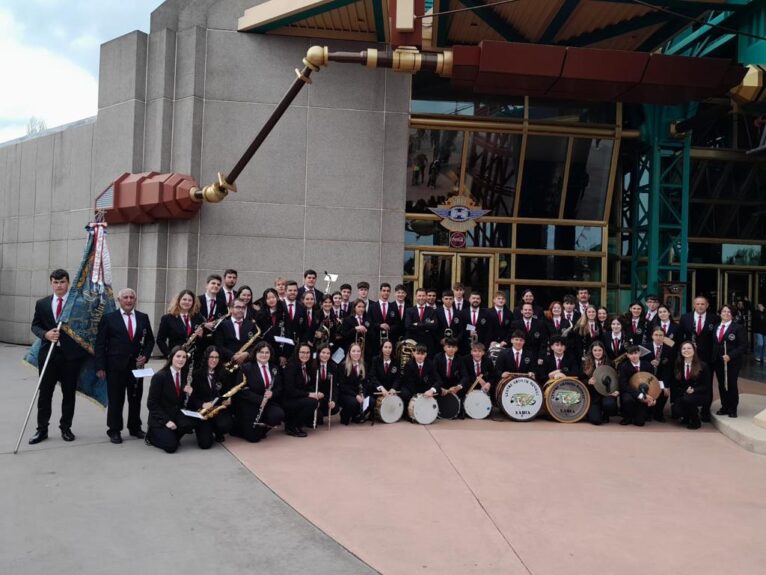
(220, 437)
(694, 425)
(732, 414)
(722, 411)
(38, 437)
(705, 418)
(660, 418)
(67, 435)
(625, 421)
(295, 432)
(115, 437)
(638, 423)
(137, 433)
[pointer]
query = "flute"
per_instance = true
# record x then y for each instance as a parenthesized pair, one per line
(316, 393)
(725, 370)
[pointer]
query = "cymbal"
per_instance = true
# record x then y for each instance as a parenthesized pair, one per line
(607, 380)
(643, 378)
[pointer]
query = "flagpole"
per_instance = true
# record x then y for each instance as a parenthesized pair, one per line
(37, 390)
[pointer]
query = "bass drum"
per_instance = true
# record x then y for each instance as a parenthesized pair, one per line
(519, 397)
(423, 410)
(449, 406)
(389, 408)
(566, 399)
(477, 405)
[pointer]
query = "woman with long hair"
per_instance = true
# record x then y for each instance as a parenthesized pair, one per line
(180, 322)
(352, 385)
(328, 383)
(168, 394)
(729, 348)
(636, 324)
(601, 407)
(209, 384)
(272, 319)
(257, 404)
(694, 382)
(245, 293)
(384, 371)
(585, 332)
(300, 398)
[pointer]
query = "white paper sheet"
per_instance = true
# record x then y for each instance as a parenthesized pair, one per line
(145, 372)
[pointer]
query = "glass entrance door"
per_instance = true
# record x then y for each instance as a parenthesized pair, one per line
(737, 286)
(475, 272)
(437, 271)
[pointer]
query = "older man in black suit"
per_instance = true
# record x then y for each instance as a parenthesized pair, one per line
(124, 343)
(64, 365)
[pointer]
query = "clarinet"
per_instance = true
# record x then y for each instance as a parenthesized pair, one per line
(189, 363)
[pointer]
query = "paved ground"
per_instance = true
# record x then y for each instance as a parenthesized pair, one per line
(455, 497)
(93, 507)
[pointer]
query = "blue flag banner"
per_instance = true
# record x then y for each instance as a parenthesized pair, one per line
(90, 297)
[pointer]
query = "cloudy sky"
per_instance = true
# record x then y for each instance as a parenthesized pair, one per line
(49, 56)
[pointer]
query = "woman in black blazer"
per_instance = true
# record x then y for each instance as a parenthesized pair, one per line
(178, 324)
(694, 383)
(300, 398)
(384, 371)
(260, 397)
(209, 383)
(328, 382)
(352, 386)
(271, 319)
(729, 347)
(168, 394)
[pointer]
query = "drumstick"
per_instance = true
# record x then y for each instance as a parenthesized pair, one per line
(329, 409)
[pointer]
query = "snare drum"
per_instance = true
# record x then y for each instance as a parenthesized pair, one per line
(477, 404)
(389, 408)
(422, 409)
(519, 397)
(566, 399)
(449, 406)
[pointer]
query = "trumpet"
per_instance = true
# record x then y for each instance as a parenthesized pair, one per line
(231, 366)
(213, 410)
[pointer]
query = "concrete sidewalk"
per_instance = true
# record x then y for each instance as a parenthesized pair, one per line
(93, 507)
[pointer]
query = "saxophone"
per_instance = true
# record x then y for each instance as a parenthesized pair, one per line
(231, 366)
(404, 350)
(213, 410)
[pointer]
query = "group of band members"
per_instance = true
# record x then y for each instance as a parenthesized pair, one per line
(261, 362)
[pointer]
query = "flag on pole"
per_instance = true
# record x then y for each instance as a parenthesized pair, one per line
(90, 297)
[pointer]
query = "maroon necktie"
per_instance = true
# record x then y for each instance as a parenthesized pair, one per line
(657, 351)
(518, 359)
(720, 333)
(699, 325)
(557, 323)
(449, 368)
(421, 312)
(230, 298)
(59, 308)
(211, 315)
(635, 325)
(130, 327)
(473, 315)
(386, 366)
(477, 368)
(324, 372)
(401, 311)
(266, 378)
(528, 326)
(187, 324)
(449, 316)
(305, 375)
(274, 318)
(355, 370)
(420, 371)
(291, 311)
(385, 309)
(500, 317)
(616, 345)
(558, 363)
(688, 371)
(309, 318)
(178, 385)
(239, 329)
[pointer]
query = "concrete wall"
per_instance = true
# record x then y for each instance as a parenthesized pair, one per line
(325, 191)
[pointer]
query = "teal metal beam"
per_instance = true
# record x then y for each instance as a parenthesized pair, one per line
(674, 4)
(297, 17)
(494, 21)
(380, 26)
(443, 23)
(558, 21)
(679, 45)
(715, 45)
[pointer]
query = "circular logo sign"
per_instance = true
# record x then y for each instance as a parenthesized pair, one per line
(457, 239)
(567, 400)
(521, 398)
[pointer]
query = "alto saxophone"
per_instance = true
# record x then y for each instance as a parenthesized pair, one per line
(231, 366)
(213, 410)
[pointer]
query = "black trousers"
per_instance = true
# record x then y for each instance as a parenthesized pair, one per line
(633, 409)
(169, 439)
(730, 398)
(118, 383)
(65, 371)
(659, 407)
(690, 406)
(349, 407)
(299, 411)
(601, 409)
(273, 415)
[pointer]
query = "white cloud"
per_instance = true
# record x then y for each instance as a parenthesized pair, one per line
(40, 83)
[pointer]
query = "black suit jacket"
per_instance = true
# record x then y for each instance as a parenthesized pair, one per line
(416, 383)
(489, 372)
(664, 371)
(348, 329)
(626, 371)
(536, 338)
(421, 331)
(458, 371)
(295, 386)
(114, 350)
(163, 402)
(499, 331)
(172, 331)
(221, 308)
(607, 339)
(248, 400)
(42, 322)
(641, 335)
(379, 377)
(351, 385)
(735, 338)
(483, 334)
(225, 337)
(317, 294)
(569, 366)
(203, 391)
(456, 325)
(506, 361)
(703, 340)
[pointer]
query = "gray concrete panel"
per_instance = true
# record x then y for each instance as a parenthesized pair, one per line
(344, 158)
(117, 142)
(59, 225)
(346, 85)
(23, 282)
(151, 288)
(224, 14)
(72, 157)
(153, 252)
(190, 63)
(58, 255)
(360, 225)
(158, 139)
(3, 177)
(194, 13)
(42, 227)
(252, 67)
(10, 179)
(182, 250)
(398, 90)
(122, 248)
(40, 282)
(26, 190)
(179, 279)
(11, 230)
(77, 221)
(122, 69)
(43, 174)
(8, 279)
(252, 254)
(391, 259)
(361, 258)
(161, 65)
(26, 229)
(40, 257)
(187, 137)
(393, 226)
(24, 254)
(395, 161)
(249, 219)
(277, 173)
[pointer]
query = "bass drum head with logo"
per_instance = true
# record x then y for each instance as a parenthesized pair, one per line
(389, 408)
(422, 409)
(449, 406)
(477, 405)
(566, 399)
(520, 398)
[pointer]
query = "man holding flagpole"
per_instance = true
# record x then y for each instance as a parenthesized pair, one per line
(65, 361)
